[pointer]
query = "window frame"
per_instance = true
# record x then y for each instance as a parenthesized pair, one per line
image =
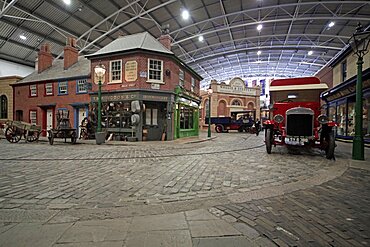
(4, 107)
(236, 100)
(181, 78)
(161, 71)
(52, 89)
(29, 116)
(78, 91)
(59, 85)
(111, 81)
(343, 68)
(31, 90)
(193, 84)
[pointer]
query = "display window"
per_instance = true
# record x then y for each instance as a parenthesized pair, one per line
(351, 119)
(186, 117)
(342, 116)
(116, 114)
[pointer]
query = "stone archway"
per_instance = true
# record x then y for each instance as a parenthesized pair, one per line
(250, 106)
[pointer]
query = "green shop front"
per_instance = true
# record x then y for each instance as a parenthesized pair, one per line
(340, 102)
(153, 110)
(186, 113)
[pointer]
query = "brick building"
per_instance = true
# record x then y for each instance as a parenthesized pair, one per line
(6, 96)
(228, 99)
(61, 86)
(141, 68)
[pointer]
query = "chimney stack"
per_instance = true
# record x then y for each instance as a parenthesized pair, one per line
(45, 59)
(70, 53)
(165, 38)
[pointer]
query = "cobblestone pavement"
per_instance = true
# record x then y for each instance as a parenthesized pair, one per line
(40, 176)
(223, 192)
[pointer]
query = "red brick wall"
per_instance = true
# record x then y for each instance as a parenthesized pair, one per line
(70, 56)
(23, 101)
(170, 81)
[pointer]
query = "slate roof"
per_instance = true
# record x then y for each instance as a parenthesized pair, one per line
(56, 71)
(143, 41)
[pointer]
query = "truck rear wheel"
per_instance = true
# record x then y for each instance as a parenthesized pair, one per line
(329, 150)
(219, 128)
(268, 140)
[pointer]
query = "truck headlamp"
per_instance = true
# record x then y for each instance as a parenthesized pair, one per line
(323, 119)
(278, 118)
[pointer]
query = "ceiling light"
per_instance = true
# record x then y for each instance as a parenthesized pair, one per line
(68, 2)
(331, 24)
(310, 53)
(259, 27)
(259, 53)
(22, 36)
(185, 14)
(201, 38)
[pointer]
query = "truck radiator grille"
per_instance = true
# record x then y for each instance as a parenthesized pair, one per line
(299, 125)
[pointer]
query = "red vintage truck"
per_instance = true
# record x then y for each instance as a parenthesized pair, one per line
(296, 118)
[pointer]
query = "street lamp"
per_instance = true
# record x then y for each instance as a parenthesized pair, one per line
(100, 72)
(359, 42)
(209, 92)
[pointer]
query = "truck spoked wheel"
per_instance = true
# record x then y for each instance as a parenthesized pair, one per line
(329, 150)
(268, 140)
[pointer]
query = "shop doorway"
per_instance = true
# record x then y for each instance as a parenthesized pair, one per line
(80, 116)
(154, 120)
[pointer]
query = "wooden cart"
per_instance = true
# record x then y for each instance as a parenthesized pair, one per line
(16, 129)
(63, 129)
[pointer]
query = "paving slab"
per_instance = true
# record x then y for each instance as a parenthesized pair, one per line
(223, 242)
(29, 216)
(211, 228)
(96, 231)
(176, 238)
(159, 222)
(199, 214)
(32, 235)
(92, 244)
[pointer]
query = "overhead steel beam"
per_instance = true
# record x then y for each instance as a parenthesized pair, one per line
(127, 22)
(7, 7)
(243, 50)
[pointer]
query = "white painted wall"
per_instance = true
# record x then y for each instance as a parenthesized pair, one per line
(10, 69)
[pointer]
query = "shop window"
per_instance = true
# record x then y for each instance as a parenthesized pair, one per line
(332, 113)
(181, 78)
(63, 88)
(192, 84)
(206, 106)
(151, 116)
(186, 117)
(116, 71)
(33, 117)
(366, 118)
(3, 107)
(236, 102)
(351, 119)
(344, 71)
(342, 117)
(49, 89)
(155, 70)
(81, 86)
(33, 90)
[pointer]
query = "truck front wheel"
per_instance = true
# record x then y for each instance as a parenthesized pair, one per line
(268, 140)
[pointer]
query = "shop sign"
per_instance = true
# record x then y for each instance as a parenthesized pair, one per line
(155, 97)
(131, 71)
(155, 86)
(107, 98)
(236, 90)
(347, 91)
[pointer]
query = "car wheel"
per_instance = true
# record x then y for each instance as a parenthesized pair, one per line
(329, 150)
(268, 140)
(219, 128)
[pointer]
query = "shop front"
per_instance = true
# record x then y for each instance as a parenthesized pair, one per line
(186, 113)
(152, 121)
(340, 102)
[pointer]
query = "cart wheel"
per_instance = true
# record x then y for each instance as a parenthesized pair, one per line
(51, 137)
(268, 140)
(11, 135)
(74, 137)
(32, 136)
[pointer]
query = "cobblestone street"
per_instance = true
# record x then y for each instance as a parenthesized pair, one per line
(219, 192)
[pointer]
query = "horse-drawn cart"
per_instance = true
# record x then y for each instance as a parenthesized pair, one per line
(16, 129)
(63, 129)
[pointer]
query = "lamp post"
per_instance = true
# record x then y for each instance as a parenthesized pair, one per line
(100, 72)
(209, 91)
(359, 42)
